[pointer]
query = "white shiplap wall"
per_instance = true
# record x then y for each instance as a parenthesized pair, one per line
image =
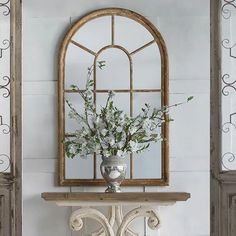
(185, 28)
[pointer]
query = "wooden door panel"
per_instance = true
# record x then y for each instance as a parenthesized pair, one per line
(228, 209)
(5, 212)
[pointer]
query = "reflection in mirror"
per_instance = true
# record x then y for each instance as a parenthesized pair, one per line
(121, 101)
(116, 73)
(79, 168)
(91, 36)
(147, 164)
(76, 73)
(133, 35)
(70, 124)
(146, 73)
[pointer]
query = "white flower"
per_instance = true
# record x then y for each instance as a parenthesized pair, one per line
(100, 125)
(134, 146)
(120, 144)
(84, 132)
(89, 94)
(148, 132)
(110, 140)
(147, 123)
(104, 132)
(119, 129)
(96, 119)
(81, 139)
(122, 118)
(106, 153)
(120, 153)
(84, 145)
(133, 130)
(72, 149)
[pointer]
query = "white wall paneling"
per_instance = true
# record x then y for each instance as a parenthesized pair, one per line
(185, 27)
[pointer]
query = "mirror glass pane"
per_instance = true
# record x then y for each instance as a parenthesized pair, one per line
(95, 34)
(132, 36)
(77, 102)
(77, 61)
(116, 73)
(121, 101)
(146, 68)
(5, 89)
(148, 163)
(79, 168)
(228, 86)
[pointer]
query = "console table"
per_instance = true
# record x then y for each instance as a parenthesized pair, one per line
(147, 203)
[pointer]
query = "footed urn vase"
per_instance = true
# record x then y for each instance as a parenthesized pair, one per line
(113, 170)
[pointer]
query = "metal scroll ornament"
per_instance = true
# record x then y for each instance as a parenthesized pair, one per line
(228, 86)
(227, 7)
(4, 163)
(4, 128)
(4, 86)
(5, 45)
(4, 5)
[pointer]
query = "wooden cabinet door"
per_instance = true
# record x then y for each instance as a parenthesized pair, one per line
(10, 118)
(5, 210)
(223, 122)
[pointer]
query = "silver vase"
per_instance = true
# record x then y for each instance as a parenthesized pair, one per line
(113, 170)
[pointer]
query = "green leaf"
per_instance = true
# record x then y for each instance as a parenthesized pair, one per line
(189, 98)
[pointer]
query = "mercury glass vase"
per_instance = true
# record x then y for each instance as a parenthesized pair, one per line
(113, 170)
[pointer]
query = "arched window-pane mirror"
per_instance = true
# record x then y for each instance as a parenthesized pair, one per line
(136, 70)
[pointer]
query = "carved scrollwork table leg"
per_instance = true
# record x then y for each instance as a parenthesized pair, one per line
(116, 216)
(153, 219)
(119, 220)
(111, 219)
(76, 220)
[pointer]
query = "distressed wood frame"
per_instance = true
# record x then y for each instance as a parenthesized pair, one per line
(11, 183)
(223, 183)
(164, 180)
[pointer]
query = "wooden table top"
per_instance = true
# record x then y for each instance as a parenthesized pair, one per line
(113, 198)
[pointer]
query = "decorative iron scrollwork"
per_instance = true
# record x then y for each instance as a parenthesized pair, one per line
(228, 88)
(230, 84)
(5, 6)
(227, 125)
(6, 45)
(226, 45)
(226, 8)
(4, 128)
(4, 86)
(4, 163)
(227, 158)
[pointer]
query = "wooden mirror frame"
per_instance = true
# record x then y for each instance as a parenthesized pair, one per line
(164, 180)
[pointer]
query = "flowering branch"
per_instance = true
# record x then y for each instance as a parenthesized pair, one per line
(110, 131)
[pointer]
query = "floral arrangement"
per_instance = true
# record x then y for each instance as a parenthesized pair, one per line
(109, 131)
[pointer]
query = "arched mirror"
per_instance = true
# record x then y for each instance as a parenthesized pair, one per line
(136, 69)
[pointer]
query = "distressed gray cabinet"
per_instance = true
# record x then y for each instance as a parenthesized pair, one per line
(10, 118)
